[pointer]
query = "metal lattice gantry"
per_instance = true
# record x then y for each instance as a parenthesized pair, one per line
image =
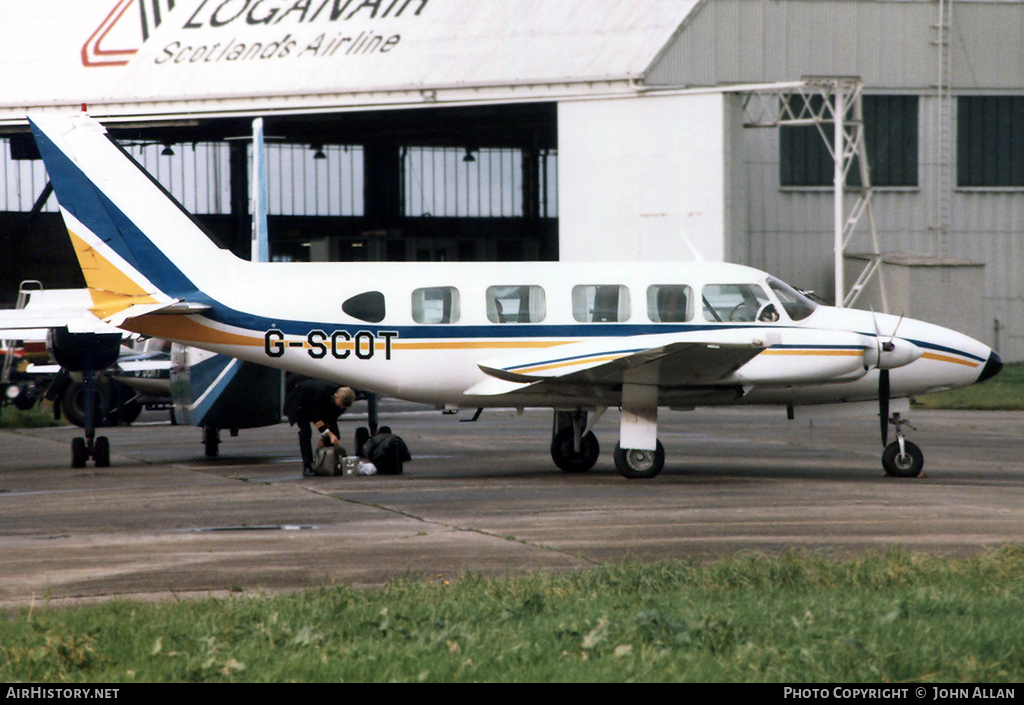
(823, 101)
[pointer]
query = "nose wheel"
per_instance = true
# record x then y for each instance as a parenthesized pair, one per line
(901, 458)
(907, 461)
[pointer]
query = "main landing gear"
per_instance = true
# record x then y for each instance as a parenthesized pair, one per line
(638, 455)
(573, 448)
(636, 464)
(97, 448)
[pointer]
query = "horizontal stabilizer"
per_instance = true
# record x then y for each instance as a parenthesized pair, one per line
(174, 308)
(51, 308)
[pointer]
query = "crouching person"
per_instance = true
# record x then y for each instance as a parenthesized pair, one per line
(316, 403)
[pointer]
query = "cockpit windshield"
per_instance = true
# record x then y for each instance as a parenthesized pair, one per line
(796, 304)
(743, 303)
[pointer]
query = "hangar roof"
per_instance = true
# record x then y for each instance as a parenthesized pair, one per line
(156, 58)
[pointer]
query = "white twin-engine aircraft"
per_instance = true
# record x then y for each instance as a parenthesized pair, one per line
(575, 337)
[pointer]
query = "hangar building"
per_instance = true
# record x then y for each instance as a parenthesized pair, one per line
(559, 129)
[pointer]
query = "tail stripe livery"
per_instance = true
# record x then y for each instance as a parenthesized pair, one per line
(117, 252)
(122, 264)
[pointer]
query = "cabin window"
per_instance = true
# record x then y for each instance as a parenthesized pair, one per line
(515, 304)
(796, 304)
(670, 303)
(368, 306)
(738, 303)
(600, 303)
(437, 304)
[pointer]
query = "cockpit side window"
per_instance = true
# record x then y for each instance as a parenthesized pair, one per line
(796, 304)
(738, 303)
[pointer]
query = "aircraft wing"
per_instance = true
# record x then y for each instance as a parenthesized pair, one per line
(686, 362)
(669, 362)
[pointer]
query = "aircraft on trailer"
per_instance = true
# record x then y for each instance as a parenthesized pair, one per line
(577, 338)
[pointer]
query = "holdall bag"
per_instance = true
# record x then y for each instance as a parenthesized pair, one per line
(387, 451)
(328, 461)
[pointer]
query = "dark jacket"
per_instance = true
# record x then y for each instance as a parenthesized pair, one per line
(311, 401)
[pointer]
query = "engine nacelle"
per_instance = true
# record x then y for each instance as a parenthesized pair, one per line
(891, 354)
(78, 352)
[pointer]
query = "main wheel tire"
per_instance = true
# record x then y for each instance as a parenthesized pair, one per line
(101, 452)
(122, 405)
(129, 413)
(78, 453)
(211, 441)
(567, 459)
(909, 464)
(362, 436)
(636, 464)
(73, 405)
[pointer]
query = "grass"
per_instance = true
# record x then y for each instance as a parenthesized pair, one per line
(36, 417)
(895, 617)
(1005, 392)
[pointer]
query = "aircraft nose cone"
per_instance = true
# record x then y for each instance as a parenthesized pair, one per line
(992, 367)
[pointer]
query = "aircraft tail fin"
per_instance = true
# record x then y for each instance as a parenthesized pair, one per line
(137, 247)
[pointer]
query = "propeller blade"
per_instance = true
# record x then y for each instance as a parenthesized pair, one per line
(891, 345)
(879, 346)
(883, 404)
(898, 324)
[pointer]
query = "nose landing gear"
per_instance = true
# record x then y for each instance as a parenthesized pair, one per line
(901, 458)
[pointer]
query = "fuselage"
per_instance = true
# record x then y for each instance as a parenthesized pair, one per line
(419, 331)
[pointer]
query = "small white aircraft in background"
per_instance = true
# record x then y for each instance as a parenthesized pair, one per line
(578, 338)
(207, 390)
(211, 391)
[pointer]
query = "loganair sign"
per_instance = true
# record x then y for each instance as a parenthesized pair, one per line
(204, 32)
(171, 57)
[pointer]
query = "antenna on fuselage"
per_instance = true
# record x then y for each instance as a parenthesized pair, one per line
(697, 256)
